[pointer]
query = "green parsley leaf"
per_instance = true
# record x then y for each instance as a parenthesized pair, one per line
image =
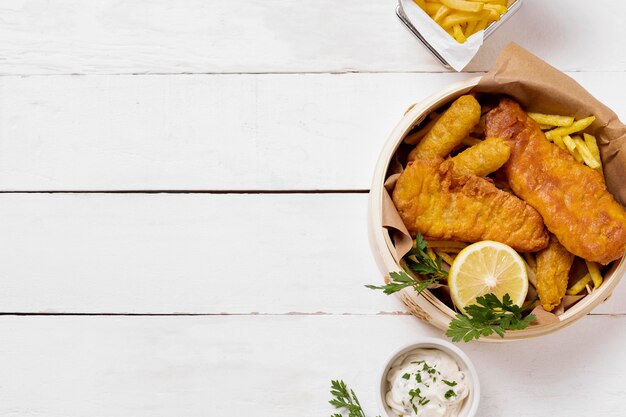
(449, 394)
(449, 383)
(345, 398)
(418, 261)
(488, 316)
(406, 376)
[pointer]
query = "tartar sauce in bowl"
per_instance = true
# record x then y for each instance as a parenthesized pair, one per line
(426, 383)
(430, 379)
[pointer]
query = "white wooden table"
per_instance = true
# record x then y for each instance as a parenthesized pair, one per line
(183, 207)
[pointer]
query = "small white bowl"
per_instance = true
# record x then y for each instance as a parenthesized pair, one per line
(470, 405)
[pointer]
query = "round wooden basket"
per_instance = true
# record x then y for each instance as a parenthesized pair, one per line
(426, 306)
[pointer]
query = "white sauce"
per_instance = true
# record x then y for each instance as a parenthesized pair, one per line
(426, 383)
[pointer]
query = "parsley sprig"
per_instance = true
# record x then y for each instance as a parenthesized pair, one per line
(489, 315)
(346, 399)
(419, 262)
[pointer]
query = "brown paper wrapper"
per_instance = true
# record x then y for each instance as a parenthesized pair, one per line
(538, 87)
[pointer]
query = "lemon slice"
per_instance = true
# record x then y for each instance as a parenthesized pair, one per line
(487, 267)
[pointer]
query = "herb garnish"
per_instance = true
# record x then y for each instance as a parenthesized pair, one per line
(449, 394)
(489, 315)
(345, 398)
(406, 376)
(419, 262)
(449, 383)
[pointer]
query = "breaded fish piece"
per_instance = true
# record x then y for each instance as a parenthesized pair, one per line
(571, 197)
(450, 129)
(553, 265)
(439, 205)
(483, 158)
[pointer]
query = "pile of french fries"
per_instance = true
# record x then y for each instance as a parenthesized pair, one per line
(561, 129)
(462, 18)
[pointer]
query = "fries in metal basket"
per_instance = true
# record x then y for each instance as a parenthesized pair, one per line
(462, 18)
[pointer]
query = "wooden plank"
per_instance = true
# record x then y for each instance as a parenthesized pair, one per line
(195, 36)
(192, 253)
(187, 253)
(220, 132)
(282, 366)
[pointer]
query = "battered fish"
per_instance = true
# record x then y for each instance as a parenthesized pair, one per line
(571, 197)
(449, 130)
(553, 265)
(433, 201)
(483, 158)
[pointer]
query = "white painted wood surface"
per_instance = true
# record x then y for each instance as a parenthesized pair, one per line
(217, 36)
(213, 132)
(193, 253)
(281, 366)
(194, 304)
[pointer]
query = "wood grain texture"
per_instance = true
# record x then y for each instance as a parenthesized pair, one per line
(187, 253)
(192, 253)
(281, 366)
(195, 36)
(212, 132)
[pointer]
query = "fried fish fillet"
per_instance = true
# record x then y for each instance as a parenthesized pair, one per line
(571, 197)
(449, 130)
(483, 158)
(433, 201)
(553, 265)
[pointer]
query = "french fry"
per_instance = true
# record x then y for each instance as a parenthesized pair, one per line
(431, 253)
(592, 145)
(441, 13)
(458, 34)
(590, 161)
(446, 258)
(531, 261)
(470, 29)
(482, 24)
(432, 8)
(577, 157)
(501, 2)
(558, 141)
(551, 119)
(532, 275)
(594, 271)
(457, 18)
(569, 143)
(545, 127)
(421, 3)
(498, 8)
(577, 126)
(579, 285)
(465, 6)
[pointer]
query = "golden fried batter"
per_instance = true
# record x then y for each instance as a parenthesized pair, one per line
(571, 197)
(553, 265)
(483, 158)
(439, 205)
(449, 130)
